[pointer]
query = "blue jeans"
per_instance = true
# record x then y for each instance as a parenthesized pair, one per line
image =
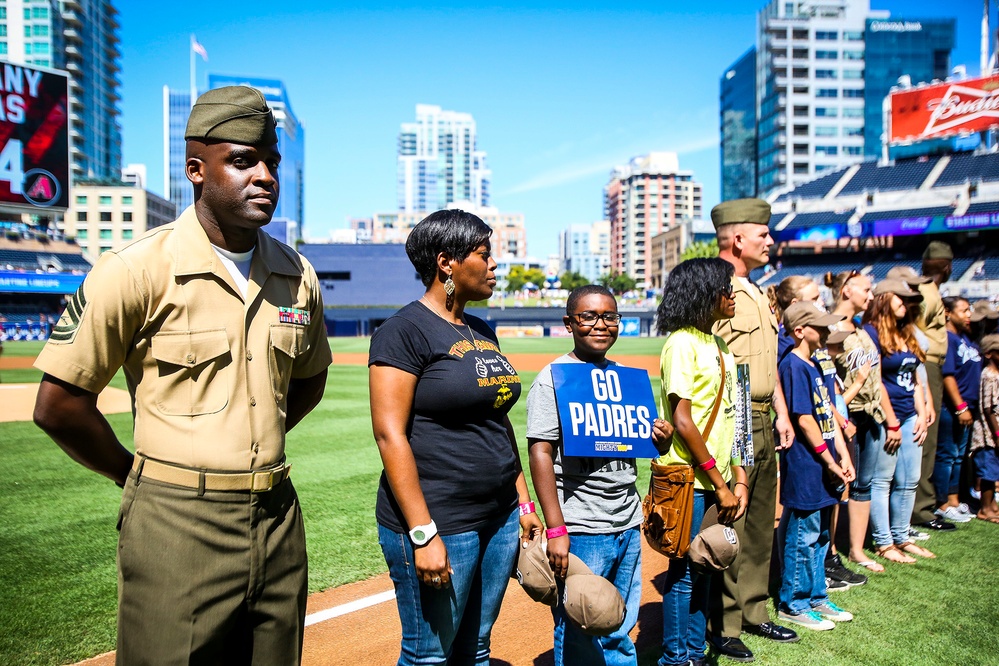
(805, 535)
(618, 558)
(870, 440)
(952, 443)
(685, 599)
(893, 488)
(452, 625)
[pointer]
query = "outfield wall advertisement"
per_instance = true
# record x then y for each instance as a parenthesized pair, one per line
(895, 226)
(34, 138)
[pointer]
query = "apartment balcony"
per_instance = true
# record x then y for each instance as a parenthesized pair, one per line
(70, 16)
(72, 36)
(72, 52)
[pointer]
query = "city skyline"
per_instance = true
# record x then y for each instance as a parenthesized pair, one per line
(556, 102)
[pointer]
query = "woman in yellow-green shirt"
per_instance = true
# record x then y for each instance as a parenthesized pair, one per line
(697, 293)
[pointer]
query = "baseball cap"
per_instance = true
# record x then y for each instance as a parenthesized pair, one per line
(897, 287)
(983, 310)
(938, 250)
(235, 114)
(990, 343)
(838, 337)
(592, 601)
(716, 546)
(806, 313)
(535, 573)
(908, 275)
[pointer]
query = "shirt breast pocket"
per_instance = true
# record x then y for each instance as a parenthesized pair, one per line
(193, 371)
(746, 336)
(288, 342)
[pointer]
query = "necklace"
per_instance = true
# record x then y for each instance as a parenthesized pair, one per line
(456, 329)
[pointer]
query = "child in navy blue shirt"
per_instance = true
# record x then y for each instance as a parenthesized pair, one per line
(812, 479)
(962, 370)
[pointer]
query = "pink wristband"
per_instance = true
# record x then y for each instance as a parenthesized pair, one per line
(708, 464)
(556, 532)
(526, 508)
(960, 408)
(821, 448)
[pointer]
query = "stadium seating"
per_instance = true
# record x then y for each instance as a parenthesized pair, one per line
(903, 175)
(966, 167)
(873, 215)
(31, 260)
(815, 189)
(804, 220)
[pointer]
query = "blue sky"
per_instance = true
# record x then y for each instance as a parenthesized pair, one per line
(561, 92)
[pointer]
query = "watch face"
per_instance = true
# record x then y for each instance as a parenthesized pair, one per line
(419, 535)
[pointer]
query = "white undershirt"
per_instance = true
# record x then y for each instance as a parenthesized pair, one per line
(238, 265)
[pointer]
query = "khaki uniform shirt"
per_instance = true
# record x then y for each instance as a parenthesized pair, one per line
(933, 322)
(208, 372)
(751, 336)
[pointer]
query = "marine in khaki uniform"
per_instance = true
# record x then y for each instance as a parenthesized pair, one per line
(220, 332)
(937, 266)
(741, 602)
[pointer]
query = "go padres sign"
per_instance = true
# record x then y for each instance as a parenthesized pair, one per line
(34, 137)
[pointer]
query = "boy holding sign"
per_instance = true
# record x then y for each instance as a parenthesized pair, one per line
(591, 505)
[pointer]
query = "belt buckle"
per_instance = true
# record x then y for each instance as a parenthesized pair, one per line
(268, 475)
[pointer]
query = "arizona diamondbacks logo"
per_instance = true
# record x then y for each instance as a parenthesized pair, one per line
(65, 330)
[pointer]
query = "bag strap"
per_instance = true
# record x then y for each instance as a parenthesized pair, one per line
(718, 398)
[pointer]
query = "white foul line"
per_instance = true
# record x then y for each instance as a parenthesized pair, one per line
(343, 609)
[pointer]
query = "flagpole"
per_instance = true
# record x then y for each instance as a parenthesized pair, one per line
(194, 86)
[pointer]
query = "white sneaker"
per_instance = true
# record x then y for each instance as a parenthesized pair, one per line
(830, 611)
(809, 620)
(917, 535)
(977, 494)
(964, 508)
(953, 514)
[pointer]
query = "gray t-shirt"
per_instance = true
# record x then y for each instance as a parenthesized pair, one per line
(598, 495)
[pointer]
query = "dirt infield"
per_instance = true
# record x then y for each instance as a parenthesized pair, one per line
(19, 401)
(522, 635)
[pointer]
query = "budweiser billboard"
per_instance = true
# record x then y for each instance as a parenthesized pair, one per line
(34, 138)
(945, 109)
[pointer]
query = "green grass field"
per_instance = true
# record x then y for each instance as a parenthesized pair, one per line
(58, 539)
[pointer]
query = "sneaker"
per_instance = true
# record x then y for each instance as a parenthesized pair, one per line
(831, 611)
(833, 585)
(974, 492)
(964, 508)
(954, 515)
(918, 535)
(836, 571)
(809, 620)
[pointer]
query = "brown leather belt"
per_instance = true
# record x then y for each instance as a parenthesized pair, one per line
(257, 481)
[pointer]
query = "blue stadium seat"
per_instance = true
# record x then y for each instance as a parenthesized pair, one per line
(966, 167)
(904, 175)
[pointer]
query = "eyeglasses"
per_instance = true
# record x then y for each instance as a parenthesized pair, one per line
(589, 318)
(728, 291)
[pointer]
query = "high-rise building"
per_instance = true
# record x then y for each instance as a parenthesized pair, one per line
(585, 249)
(439, 162)
(107, 217)
(738, 128)
(823, 69)
(80, 36)
(649, 195)
(289, 216)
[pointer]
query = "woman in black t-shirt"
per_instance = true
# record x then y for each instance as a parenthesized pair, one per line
(448, 499)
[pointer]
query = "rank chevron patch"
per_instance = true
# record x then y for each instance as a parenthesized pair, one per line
(65, 330)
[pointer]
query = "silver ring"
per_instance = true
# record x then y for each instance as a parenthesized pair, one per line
(435, 580)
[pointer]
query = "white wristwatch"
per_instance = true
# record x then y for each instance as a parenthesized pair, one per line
(421, 534)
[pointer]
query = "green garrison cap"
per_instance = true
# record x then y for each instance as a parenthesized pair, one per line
(938, 250)
(236, 114)
(738, 211)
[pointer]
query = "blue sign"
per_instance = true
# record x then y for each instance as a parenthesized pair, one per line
(13, 282)
(605, 412)
(631, 327)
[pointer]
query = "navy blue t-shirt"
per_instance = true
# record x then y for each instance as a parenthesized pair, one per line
(898, 374)
(964, 364)
(827, 367)
(785, 343)
(457, 428)
(804, 483)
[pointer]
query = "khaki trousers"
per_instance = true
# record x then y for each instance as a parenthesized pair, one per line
(739, 595)
(218, 578)
(926, 496)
